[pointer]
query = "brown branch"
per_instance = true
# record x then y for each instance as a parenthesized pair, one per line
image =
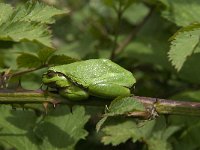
(160, 106)
(171, 107)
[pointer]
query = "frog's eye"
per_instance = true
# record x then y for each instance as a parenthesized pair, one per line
(51, 74)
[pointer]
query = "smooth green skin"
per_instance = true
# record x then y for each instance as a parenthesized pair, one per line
(97, 77)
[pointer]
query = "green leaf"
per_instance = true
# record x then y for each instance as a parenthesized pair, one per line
(147, 49)
(154, 133)
(121, 106)
(32, 80)
(62, 129)
(155, 144)
(190, 126)
(159, 139)
(27, 47)
(23, 31)
(170, 131)
(45, 54)
(136, 13)
(27, 23)
(182, 12)
(122, 130)
(6, 11)
(17, 129)
(100, 123)
(59, 130)
(190, 71)
(37, 12)
(28, 61)
(11, 54)
(61, 59)
(184, 43)
(191, 95)
(120, 133)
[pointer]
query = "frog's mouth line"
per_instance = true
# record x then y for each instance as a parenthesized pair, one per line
(51, 74)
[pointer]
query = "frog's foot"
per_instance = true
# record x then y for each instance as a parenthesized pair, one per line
(55, 103)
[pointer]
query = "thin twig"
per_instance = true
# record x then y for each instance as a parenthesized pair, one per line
(119, 12)
(132, 34)
(26, 71)
(7, 75)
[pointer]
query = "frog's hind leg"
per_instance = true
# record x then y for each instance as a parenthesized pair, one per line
(73, 93)
(108, 90)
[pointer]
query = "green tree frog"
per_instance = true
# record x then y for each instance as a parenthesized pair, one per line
(97, 77)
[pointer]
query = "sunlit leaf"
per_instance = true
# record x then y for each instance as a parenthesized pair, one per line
(37, 12)
(184, 43)
(182, 12)
(122, 105)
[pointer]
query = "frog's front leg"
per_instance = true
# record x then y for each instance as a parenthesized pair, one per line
(73, 93)
(108, 90)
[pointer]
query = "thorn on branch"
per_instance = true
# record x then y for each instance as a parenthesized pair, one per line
(45, 105)
(55, 103)
(19, 86)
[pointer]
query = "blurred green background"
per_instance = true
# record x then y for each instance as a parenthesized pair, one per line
(133, 33)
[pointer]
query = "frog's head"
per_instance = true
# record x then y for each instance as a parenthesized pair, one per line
(54, 79)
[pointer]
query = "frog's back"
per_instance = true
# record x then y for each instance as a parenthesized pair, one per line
(89, 71)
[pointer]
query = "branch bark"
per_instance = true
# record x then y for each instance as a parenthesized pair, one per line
(161, 106)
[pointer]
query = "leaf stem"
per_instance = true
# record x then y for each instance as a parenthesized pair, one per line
(26, 71)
